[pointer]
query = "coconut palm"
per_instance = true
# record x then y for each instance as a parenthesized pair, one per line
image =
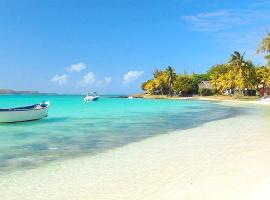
(171, 77)
(242, 71)
(263, 77)
(219, 77)
(265, 47)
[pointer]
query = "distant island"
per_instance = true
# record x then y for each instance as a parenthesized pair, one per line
(10, 91)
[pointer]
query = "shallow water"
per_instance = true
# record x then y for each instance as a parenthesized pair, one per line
(74, 128)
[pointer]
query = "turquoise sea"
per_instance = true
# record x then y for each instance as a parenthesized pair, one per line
(77, 129)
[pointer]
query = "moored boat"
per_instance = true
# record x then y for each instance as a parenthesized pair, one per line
(91, 97)
(26, 113)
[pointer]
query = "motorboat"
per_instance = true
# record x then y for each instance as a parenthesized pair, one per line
(91, 97)
(25, 113)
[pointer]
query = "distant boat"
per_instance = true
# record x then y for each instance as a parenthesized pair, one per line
(91, 97)
(26, 113)
(130, 97)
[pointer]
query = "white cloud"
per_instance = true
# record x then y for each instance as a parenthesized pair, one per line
(60, 79)
(234, 29)
(107, 79)
(131, 76)
(77, 67)
(226, 19)
(214, 21)
(89, 78)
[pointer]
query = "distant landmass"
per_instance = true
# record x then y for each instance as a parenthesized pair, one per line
(10, 91)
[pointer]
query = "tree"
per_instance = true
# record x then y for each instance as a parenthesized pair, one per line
(265, 47)
(161, 83)
(238, 74)
(170, 79)
(149, 86)
(242, 72)
(263, 76)
(197, 79)
(184, 85)
(217, 75)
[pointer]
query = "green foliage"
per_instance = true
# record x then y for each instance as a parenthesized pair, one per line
(167, 82)
(205, 92)
(198, 78)
(162, 83)
(265, 47)
(263, 76)
(238, 76)
(184, 86)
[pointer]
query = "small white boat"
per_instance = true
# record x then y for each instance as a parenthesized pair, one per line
(91, 97)
(26, 113)
(130, 97)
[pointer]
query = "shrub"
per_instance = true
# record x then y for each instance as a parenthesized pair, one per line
(205, 92)
(250, 92)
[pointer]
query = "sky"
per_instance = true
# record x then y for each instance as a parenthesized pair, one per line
(112, 46)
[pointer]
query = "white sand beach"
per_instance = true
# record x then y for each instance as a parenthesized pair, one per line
(225, 159)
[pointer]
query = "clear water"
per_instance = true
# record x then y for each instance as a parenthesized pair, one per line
(74, 128)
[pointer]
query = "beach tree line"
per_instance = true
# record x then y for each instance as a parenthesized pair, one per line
(237, 76)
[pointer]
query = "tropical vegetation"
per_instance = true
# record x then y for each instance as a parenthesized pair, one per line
(237, 76)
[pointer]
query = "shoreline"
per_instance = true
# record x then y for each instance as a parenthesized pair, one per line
(207, 98)
(186, 164)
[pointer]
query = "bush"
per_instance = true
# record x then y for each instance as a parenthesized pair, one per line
(205, 92)
(250, 92)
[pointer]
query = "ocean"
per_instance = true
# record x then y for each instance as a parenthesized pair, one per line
(74, 128)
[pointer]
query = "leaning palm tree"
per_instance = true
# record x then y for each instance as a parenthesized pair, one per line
(265, 47)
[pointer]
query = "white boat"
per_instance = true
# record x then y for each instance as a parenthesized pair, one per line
(26, 113)
(91, 97)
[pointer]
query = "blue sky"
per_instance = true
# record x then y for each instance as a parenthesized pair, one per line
(111, 46)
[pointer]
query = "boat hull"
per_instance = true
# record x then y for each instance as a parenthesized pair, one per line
(20, 116)
(91, 98)
(26, 113)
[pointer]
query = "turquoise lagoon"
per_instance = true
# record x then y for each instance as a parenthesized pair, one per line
(77, 129)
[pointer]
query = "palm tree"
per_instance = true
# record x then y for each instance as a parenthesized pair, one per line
(171, 77)
(263, 77)
(149, 86)
(215, 73)
(265, 47)
(242, 71)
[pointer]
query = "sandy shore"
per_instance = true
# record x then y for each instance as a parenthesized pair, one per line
(226, 159)
(256, 102)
